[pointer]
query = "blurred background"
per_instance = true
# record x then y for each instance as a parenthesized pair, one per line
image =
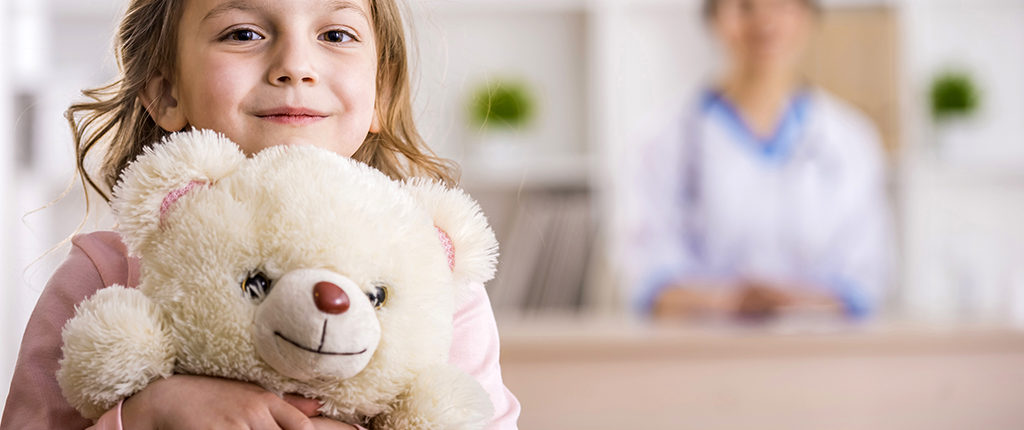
(586, 78)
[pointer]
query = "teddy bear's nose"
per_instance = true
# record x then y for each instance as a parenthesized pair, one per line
(330, 298)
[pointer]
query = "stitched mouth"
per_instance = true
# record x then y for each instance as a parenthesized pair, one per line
(315, 351)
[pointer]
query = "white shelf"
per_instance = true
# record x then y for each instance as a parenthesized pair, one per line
(527, 171)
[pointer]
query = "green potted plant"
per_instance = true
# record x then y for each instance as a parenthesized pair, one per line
(954, 100)
(501, 104)
(953, 95)
(499, 111)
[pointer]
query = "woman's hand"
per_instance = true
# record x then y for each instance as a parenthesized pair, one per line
(749, 300)
(760, 300)
(690, 301)
(202, 402)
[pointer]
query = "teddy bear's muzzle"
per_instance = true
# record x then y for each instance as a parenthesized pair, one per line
(316, 323)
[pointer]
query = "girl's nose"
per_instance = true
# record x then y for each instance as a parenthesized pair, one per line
(293, 64)
(295, 76)
(330, 298)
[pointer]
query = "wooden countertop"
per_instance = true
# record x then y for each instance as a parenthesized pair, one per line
(596, 337)
(614, 372)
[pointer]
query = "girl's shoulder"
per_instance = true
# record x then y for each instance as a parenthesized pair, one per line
(109, 255)
(100, 240)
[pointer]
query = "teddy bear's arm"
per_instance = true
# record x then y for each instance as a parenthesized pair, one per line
(114, 346)
(441, 397)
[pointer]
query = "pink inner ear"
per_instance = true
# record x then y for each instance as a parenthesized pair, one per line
(449, 247)
(174, 195)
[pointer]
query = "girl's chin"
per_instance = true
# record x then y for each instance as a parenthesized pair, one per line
(333, 145)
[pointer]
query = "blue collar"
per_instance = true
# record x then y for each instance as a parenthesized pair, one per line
(776, 147)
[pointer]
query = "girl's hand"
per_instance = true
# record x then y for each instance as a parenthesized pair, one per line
(309, 408)
(321, 423)
(202, 402)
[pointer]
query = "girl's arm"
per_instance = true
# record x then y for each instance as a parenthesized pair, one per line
(475, 350)
(35, 400)
(199, 402)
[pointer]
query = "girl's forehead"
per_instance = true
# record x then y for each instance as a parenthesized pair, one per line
(207, 9)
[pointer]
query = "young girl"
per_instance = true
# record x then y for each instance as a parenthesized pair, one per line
(330, 73)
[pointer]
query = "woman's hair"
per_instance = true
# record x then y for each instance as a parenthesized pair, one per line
(710, 7)
(115, 119)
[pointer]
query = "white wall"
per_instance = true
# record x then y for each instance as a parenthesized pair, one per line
(8, 333)
(963, 194)
(462, 46)
(983, 38)
(56, 48)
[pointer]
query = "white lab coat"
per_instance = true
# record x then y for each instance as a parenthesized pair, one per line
(707, 200)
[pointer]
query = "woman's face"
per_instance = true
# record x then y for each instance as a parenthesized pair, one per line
(763, 35)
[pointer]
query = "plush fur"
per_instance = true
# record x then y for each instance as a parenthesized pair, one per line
(204, 219)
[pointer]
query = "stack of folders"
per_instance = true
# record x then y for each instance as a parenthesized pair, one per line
(545, 254)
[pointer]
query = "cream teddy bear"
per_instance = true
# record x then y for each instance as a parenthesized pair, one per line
(296, 269)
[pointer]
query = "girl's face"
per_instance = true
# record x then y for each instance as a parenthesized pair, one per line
(275, 72)
(762, 35)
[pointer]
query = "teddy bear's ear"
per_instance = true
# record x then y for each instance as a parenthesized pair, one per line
(164, 173)
(462, 229)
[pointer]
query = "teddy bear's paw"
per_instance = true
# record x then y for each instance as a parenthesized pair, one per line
(442, 398)
(113, 347)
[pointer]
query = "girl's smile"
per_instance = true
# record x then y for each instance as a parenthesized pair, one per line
(291, 115)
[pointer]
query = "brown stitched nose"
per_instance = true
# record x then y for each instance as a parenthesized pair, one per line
(330, 298)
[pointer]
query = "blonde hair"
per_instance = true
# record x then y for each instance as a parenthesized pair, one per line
(147, 46)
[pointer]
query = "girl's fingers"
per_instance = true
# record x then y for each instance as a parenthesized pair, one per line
(321, 423)
(289, 417)
(307, 406)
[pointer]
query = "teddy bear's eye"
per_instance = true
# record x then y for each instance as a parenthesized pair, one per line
(256, 286)
(379, 296)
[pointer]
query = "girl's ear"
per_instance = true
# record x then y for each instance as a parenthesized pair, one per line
(151, 186)
(160, 97)
(375, 123)
(463, 230)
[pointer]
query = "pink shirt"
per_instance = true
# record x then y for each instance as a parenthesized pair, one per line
(100, 259)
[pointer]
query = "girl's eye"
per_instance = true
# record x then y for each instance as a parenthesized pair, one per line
(336, 36)
(244, 35)
(378, 297)
(256, 286)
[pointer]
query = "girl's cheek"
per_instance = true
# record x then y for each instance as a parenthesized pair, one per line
(224, 78)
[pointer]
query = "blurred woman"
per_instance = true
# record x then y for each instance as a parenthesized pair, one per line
(766, 193)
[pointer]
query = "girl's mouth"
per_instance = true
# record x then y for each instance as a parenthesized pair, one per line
(292, 119)
(291, 115)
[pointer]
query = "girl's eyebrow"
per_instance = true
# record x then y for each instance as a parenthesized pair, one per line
(243, 5)
(336, 5)
(224, 7)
